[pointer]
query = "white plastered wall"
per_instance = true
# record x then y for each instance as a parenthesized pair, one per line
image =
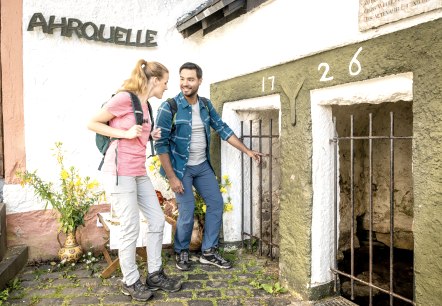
(67, 79)
(391, 88)
(233, 113)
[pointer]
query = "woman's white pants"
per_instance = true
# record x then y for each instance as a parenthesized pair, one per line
(132, 195)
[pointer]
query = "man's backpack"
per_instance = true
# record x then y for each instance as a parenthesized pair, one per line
(174, 109)
(103, 142)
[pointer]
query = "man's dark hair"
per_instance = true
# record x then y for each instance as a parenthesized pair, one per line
(192, 66)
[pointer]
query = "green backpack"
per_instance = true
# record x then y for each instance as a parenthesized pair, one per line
(103, 142)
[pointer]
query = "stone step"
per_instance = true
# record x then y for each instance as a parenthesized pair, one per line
(13, 262)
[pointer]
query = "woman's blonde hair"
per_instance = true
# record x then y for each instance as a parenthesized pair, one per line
(141, 74)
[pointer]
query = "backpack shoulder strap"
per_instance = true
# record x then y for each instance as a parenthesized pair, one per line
(149, 107)
(173, 106)
(173, 109)
(139, 118)
(206, 102)
(136, 106)
(152, 149)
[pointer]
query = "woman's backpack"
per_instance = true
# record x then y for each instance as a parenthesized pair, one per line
(103, 142)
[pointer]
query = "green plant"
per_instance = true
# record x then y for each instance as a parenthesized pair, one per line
(35, 300)
(71, 197)
(4, 294)
(38, 272)
(12, 285)
(90, 260)
(230, 255)
(269, 288)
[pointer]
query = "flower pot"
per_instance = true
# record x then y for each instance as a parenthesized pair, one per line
(197, 236)
(71, 251)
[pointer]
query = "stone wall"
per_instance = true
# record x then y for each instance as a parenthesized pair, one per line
(417, 50)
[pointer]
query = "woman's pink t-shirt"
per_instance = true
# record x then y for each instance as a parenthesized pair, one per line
(131, 153)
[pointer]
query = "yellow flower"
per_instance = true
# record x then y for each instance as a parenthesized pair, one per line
(223, 190)
(228, 207)
(71, 198)
(92, 184)
(64, 174)
(151, 168)
(204, 208)
(225, 177)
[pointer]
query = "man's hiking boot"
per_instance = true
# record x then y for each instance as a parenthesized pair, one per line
(159, 280)
(182, 260)
(137, 291)
(212, 257)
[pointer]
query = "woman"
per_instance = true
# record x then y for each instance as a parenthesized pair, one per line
(132, 191)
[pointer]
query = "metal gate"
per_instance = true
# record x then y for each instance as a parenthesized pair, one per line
(262, 239)
(371, 139)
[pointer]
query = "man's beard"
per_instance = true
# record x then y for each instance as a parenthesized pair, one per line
(192, 93)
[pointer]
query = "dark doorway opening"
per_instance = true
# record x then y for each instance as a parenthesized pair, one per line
(375, 207)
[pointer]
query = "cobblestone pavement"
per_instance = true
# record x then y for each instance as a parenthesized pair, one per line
(47, 284)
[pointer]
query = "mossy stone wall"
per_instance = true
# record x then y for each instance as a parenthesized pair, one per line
(417, 50)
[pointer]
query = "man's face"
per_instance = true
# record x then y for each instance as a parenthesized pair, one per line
(189, 82)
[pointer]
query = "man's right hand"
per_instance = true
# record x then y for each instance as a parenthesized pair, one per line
(176, 185)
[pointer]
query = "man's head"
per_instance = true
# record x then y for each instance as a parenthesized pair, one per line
(193, 66)
(191, 76)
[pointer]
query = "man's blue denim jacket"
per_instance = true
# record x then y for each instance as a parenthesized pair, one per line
(177, 143)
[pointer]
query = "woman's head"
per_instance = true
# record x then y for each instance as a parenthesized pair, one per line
(152, 76)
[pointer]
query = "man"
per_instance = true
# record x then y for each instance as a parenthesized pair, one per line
(183, 150)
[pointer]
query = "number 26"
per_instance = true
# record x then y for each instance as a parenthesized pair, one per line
(354, 62)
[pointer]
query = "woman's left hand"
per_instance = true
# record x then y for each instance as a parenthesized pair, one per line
(156, 134)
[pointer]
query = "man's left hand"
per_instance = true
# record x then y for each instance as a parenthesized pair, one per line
(255, 155)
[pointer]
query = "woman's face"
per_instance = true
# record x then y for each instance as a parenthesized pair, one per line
(161, 86)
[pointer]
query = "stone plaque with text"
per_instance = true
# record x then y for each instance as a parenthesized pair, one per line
(374, 13)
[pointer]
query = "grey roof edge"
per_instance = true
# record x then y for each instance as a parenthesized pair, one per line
(202, 11)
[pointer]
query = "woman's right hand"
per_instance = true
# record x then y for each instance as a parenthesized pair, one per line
(133, 132)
